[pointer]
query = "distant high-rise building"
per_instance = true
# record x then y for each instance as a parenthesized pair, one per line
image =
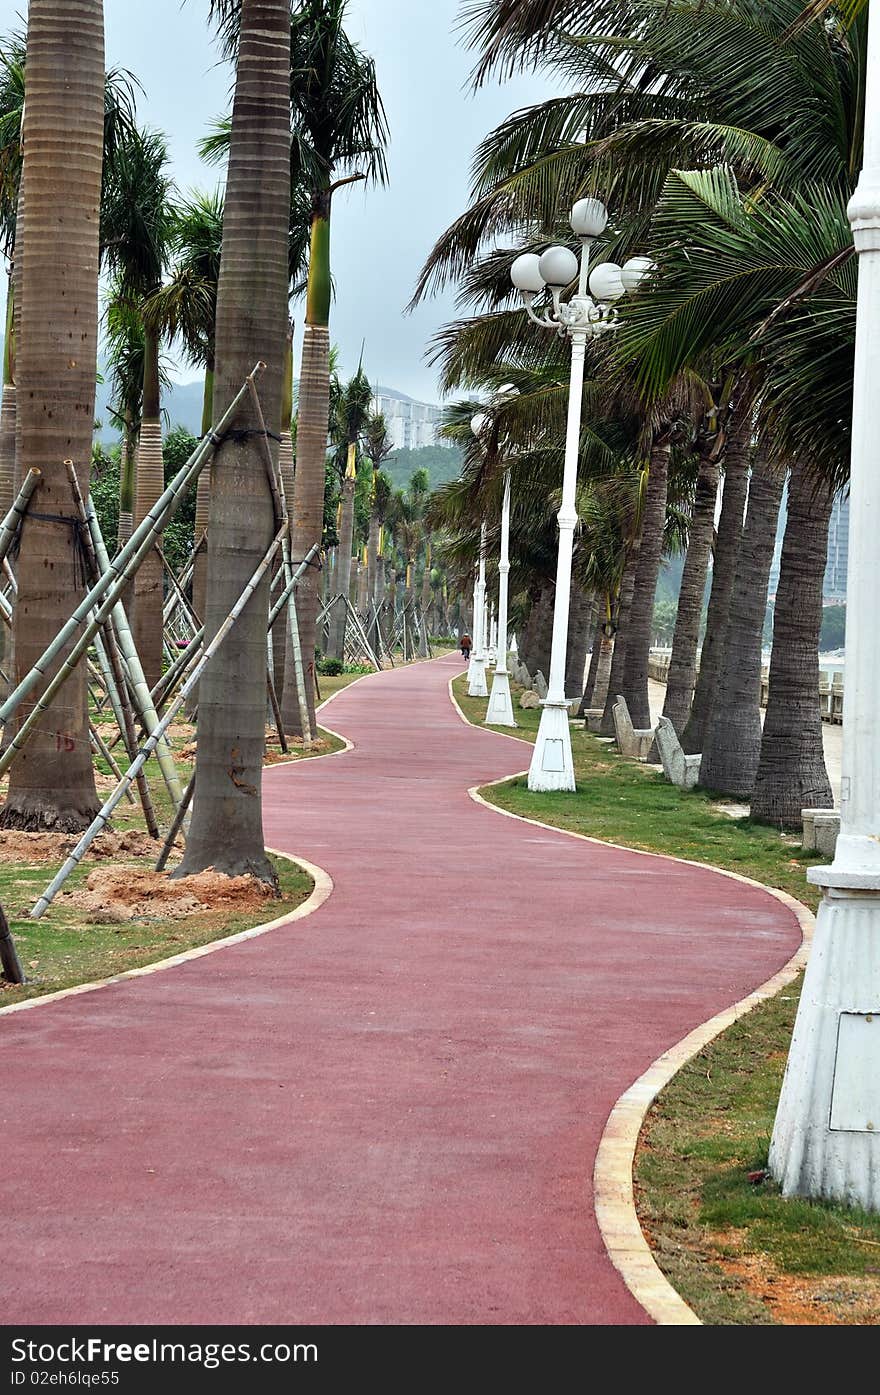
(410, 424)
(834, 588)
(834, 585)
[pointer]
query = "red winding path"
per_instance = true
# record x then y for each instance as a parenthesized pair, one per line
(389, 1112)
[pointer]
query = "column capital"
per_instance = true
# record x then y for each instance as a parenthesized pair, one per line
(863, 212)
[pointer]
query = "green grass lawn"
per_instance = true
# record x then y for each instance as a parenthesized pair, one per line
(734, 1248)
(68, 947)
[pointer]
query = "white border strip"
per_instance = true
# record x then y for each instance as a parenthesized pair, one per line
(613, 1193)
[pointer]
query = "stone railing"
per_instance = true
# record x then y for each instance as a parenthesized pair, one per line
(830, 684)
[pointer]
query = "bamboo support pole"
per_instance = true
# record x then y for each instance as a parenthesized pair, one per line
(125, 661)
(182, 604)
(100, 599)
(100, 746)
(289, 595)
(181, 662)
(12, 522)
(111, 658)
(111, 691)
(9, 960)
(276, 711)
(102, 818)
(10, 577)
(177, 824)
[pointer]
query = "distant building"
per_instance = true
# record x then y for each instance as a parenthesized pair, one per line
(411, 425)
(834, 588)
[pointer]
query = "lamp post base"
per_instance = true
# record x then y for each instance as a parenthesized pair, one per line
(826, 1139)
(477, 678)
(552, 767)
(500, 710)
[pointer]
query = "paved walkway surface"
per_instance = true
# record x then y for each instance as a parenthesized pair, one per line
(389, 1111)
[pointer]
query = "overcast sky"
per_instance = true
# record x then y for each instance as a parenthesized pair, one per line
(380, 236)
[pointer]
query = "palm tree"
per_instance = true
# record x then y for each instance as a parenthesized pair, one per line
(52, 784)
(352, 414)
(378, 446)
(137, 222)
(119, 108)
(227, 822)
(186, 308)
(767, 280)
(339, 136)
(791, 774)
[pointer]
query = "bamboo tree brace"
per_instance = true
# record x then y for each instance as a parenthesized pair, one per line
(12, 522)
(102, 818)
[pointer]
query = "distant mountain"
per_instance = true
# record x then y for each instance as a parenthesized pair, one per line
(182, 405)
(443, 463)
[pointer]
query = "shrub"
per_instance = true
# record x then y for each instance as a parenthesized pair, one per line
(330, 667)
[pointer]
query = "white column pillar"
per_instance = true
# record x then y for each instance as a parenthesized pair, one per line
(493, 634)
(552, 767)
(477, 667)
(826, 1140)
(500, 710)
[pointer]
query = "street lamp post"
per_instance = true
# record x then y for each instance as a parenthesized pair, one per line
(584, 316)
(826, 1139)
(500, 710)
(477, 666)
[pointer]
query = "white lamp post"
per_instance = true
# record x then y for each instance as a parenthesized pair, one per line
(582, 317)
(826, 1140)
(500, 710)
(477, 666)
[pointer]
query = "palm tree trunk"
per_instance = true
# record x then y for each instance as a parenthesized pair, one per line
(227, 822)
(126, 488)
(7, 411)
(286, 469)
(52, 784)
(641, 616)
(311, 453)
(203, 501)
(580, 622)
(683, 662)
(595, 653)
(426, 588)
(618, 657)
(537, 632)
(599, 694)
(727, 545)
(146, 620)
(339, 622)
(7, 438)
(372, 555)
(732, 745)
(791, 771)
(280, 628)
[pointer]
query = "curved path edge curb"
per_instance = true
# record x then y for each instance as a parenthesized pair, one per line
(322, 889)
(613, 1191)
(320, 892)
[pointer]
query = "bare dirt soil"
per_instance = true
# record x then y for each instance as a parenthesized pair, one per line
(129, 893)
(29, 849)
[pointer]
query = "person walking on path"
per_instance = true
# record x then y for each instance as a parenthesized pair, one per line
(465, 644)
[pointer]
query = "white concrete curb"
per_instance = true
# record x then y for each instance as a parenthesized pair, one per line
(319, 894)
